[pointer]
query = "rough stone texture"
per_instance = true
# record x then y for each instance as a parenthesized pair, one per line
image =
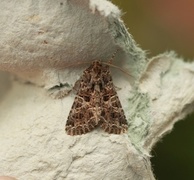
(45, 43)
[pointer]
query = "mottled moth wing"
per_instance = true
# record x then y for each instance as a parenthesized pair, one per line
(96, 103)
(78, 121)
(114, 120)
(84, 114)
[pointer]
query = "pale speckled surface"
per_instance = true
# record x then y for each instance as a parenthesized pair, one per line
(35, 144)
(37, 43)
(38, 38)
(42, 39)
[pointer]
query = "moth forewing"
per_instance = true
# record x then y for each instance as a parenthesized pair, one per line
(96, 103)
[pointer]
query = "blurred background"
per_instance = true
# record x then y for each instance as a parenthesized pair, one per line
(159, 26)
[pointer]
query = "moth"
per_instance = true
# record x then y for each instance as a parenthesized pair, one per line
(96, 103)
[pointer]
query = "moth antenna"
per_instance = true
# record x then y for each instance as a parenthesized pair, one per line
(121, 69)
(109, 63)
(113, 56)
(89, 62)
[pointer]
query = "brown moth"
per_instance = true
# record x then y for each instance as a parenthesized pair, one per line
(96, 103)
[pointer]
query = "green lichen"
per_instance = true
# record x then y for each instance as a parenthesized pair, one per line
(139, 116)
